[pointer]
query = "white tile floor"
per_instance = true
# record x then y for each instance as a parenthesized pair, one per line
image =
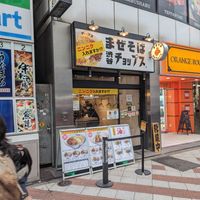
(172, 139)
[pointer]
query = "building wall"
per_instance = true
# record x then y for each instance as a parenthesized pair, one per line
(107, 13)
(114, 15)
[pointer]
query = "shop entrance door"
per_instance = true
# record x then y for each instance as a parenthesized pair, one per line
(129, 105)
(44, 119)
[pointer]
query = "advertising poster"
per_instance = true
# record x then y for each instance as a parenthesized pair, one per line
(16, 20)
(176, 9)
(95, 137)
(5, 70)
(6, 111)
(107, 51)
(23, 71)
(149, 5)
(194, 13)
(26, 115)
(123, 149)
(74, 150)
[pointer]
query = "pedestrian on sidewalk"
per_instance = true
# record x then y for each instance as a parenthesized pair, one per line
(20, 157)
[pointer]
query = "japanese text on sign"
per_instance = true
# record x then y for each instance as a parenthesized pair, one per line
(95, 49)
(2, 70)
(135, 48)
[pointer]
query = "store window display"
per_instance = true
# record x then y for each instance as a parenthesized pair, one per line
(95, 110)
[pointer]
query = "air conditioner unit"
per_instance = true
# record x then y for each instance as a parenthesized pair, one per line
(58, 7)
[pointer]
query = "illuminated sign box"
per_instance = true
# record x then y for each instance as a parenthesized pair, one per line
(16, 21)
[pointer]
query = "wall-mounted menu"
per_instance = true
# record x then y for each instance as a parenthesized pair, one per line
(24, 84)
(5, 69)
(123, 149)
(26, 115)
(74, 149)
(95, 137)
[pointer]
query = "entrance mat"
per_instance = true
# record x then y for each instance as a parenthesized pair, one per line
(179, 164)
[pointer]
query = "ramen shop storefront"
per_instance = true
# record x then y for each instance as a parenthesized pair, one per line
(110, 78)
(179, 96)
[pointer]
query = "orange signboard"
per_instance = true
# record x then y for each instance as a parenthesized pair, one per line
(181, 61)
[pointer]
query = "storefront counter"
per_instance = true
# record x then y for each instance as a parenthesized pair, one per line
(31, 142)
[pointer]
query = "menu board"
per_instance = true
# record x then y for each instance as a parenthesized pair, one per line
(95, 137)
(123, 149)
(174, 9)
(194, 13)
(23, 70)
(5, 69)
(149, 5)
(6, 111)
(26, 115)
(74, 150)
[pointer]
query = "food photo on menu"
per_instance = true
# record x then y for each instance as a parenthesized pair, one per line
(76, 148)
(95, 139)
(23, 74)
(123, 149)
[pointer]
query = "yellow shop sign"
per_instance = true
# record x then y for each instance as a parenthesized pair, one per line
(92, 91)
(183, 61)
(89, 49)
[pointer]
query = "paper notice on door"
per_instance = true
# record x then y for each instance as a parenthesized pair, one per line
(76, 105)
(129, 98)
(113, 114)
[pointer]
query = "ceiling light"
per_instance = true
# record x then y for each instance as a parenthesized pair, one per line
(182, 79)
(123, 32)
(148, 38)
(92, 26)
(168, 78)
(196, 79)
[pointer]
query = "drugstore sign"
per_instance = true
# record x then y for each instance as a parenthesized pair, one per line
(16, 20)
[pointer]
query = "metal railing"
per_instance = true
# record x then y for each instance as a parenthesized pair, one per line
(105, 182)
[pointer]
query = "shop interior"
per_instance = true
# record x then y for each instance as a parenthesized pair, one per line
(179, 110)
(117, 101)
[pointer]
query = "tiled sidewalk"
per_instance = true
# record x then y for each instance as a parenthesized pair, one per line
(164, 183)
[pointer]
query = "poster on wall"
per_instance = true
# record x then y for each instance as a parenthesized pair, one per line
(95, 49)
(194, 13)
(74, 150)
(24, 84)
(6, 111)
(173, 9)
(123, 149)
(16, 21)
(149, 5)
(5, 69)
(25, 115)
(95, 137)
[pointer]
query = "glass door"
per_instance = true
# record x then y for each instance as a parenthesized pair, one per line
(129, 105)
